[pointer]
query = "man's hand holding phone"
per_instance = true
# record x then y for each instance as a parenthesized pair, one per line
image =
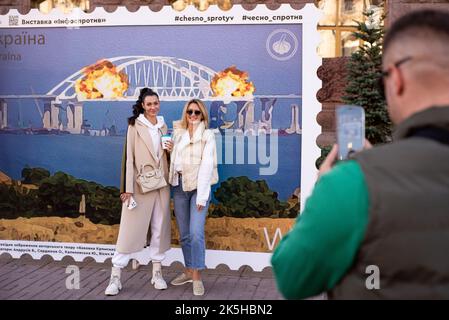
(332, 158)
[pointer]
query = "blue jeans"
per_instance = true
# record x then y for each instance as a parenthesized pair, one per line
(191, 227)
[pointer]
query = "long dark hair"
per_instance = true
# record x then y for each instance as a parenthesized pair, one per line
(137, 107)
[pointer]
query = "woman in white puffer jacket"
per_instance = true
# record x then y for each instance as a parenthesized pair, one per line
(193, 169)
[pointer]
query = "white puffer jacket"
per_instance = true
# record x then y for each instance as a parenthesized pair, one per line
(198, 161)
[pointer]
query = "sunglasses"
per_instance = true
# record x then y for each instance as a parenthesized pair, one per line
(190, 112)
(386, 74)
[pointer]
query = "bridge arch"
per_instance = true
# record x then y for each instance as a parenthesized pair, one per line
(172, 78)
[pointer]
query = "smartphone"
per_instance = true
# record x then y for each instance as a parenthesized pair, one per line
(132, 203)
(350, 130)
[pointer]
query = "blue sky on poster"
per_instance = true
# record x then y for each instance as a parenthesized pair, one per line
(218, 47)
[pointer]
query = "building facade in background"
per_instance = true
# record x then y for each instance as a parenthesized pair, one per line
(336, 26)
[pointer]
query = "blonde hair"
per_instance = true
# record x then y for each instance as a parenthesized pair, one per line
(184, 123)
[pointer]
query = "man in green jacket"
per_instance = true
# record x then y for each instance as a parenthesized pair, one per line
(377, 226)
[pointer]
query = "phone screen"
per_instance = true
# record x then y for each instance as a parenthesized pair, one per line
(350, 130)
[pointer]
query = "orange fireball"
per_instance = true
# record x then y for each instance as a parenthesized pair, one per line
(232, 82)
(102, 80)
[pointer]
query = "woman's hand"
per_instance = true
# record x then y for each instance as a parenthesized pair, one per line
(199, 207)
(169, 145)
(125, 197)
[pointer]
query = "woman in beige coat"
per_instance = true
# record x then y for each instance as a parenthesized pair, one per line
(152, 213)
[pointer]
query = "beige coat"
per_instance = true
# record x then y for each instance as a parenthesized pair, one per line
(134, 223)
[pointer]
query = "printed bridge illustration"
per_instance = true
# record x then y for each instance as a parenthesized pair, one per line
(172, 78)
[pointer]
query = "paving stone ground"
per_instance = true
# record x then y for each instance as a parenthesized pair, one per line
(30, 279)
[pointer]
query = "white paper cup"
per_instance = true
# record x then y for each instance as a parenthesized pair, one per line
(165, 138)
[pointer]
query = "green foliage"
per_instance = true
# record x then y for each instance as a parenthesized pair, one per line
(364, 71)
(292, 212)
(62, 193)
(34, 175)
(15, 201)
(59, 195)
(103, 204)
(242, 198)
(324, 152)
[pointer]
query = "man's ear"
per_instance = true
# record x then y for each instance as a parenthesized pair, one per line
(398, 81)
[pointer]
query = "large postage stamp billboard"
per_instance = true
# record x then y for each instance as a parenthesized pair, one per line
(67, 86)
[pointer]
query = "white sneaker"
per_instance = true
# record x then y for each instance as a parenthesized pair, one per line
(158, 282)
(135, 264)
(114, 286)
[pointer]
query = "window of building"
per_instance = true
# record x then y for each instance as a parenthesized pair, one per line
(339, 22)
(201, 5)
(348, 5)
(66, 6)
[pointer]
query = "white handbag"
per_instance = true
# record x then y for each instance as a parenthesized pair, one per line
(152, 179)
